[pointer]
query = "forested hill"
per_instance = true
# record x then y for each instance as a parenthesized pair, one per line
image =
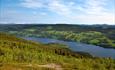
(57, 26)
(17, 53)
(108, 30)
(101, 35)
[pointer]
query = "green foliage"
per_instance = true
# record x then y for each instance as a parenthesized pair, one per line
(16, 50)
(91, 37)
(94, 41)
(102, 35)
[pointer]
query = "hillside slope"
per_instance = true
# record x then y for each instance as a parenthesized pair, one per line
(17, 53)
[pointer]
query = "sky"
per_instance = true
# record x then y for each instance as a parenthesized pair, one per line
(58, 11)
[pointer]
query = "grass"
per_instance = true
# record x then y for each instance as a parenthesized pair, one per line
(16, 54)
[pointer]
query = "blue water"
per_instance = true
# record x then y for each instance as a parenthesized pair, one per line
(91, 49)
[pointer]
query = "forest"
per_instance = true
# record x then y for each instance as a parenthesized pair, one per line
(100, 35)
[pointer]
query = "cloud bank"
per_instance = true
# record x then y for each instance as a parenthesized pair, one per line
(83, 11)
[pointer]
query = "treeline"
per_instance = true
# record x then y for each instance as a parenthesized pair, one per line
(89, 37)
(102, 35)
(108, 30)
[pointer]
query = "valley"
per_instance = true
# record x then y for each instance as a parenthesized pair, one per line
(36, 47)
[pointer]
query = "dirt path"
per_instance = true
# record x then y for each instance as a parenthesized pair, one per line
(51, 65)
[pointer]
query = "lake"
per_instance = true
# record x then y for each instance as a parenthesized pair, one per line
(95, 51)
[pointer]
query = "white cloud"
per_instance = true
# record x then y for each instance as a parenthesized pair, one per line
(94, 11)
(92, 6)
(43, 13)
(53, 5)
(95, 6)
(103, 19)
(71, 3)
(9, 16)
(58, 7)
(32, 4)
(90, 11)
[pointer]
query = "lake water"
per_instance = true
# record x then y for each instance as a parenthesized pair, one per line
(91, 49)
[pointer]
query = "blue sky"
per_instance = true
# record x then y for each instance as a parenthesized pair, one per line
(58, 11)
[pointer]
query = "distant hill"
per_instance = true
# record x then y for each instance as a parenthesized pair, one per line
(101, 35)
